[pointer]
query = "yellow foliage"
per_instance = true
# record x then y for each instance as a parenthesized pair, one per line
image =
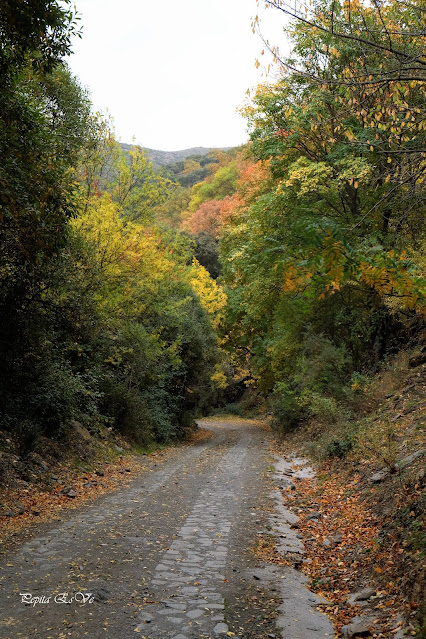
(219, 378)
(309, 176)
(295, 278)
(127, 255)
(211, 295)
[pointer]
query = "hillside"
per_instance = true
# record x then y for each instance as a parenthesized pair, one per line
(160, 158)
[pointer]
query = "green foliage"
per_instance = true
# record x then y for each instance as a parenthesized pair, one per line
(43, 121)
(287, 410)
(136, 187)
(58, 395)
(319, 251)
(170, 212)
(104, 317)
(221, 184)
(188, 172)
(207, 253)
(230, 409)
(337, 441)
(339, 447)
(27, 434)
(322, 365)
(154, 342)
(36, 31)
(104, 313)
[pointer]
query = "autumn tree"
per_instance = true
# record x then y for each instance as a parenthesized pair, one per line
(104, 318)
(392, 32)
(320, 258)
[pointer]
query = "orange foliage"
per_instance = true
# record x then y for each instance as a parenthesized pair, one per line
(254, 180)
(206, 218)
(231, 206)
(282, 133)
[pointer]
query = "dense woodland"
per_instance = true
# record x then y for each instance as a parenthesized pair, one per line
(136, 297)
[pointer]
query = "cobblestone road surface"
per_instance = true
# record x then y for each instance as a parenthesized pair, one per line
(155, 555)
(167, 557)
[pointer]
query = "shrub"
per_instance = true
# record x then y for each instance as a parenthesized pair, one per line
(379, 441)
(339, 447)
(127, 410)
(359, 382)
(57, 395)
(27, 434)
(318, 405)
(286, 408)
(233, 409)
(322, 366)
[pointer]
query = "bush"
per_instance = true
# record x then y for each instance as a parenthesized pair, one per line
(127, 410)
(322, 366)
(27, 434)
(359, 382)
(58, 395)
(339, 447)
(315, 404)
(251, 402)
(286, 408)
(229, 409)
(233, 409)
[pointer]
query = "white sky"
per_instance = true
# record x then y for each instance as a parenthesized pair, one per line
(171, 73)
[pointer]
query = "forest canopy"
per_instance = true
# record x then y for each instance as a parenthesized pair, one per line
(106, 320)
(137, 297)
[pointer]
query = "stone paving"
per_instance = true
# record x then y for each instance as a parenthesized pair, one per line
(299, 616)
(38, 555)
(165, 557)
(189, 579)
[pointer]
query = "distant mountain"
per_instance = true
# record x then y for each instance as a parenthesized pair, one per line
(160, 158)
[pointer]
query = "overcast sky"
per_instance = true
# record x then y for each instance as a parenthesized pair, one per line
(171, 73)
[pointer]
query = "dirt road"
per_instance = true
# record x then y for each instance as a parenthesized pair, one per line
(167, 557)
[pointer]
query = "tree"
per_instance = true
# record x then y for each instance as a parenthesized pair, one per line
(43, 118)
(206, 218)
(37, 33)
(153, 340)
(324, 248)
(136, 186)
(218, 186)
(206, 252)
(392, 31)
(371, 57)
(322, 125)
(103, 317)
